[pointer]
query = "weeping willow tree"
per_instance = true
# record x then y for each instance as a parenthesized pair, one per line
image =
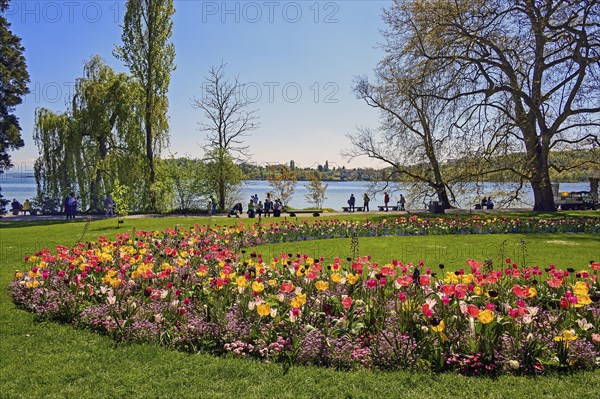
(97, 142)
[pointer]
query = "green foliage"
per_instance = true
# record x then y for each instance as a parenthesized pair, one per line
(122, 198)
(185, 176)
(13, 87)
(149, 55)
(316, 190)
(222, 177)
(283, 180)
(97, 141)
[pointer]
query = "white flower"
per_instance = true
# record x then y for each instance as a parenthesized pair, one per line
(513, 364)
(584, 325)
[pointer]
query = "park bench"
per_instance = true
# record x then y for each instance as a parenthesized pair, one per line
(356, 208)
(315, 212)
(390, 207)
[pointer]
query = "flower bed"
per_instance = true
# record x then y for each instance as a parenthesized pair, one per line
(191, 290)
(409, 226)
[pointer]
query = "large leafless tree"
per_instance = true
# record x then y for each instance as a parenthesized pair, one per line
(227, 120)
(534, 64)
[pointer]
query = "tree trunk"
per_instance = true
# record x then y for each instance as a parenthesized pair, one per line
(149, 150)
(95, 195)
(443, 196)
(221, 181)
(543, 196)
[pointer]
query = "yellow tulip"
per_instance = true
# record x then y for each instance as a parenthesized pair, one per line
(299, 301)
(486, 316)
(321, 285)
(241, 281)
(353, 278)
(257, 286)
(264, 309)
(439, 327)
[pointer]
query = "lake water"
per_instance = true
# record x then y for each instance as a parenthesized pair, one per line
(22, 186)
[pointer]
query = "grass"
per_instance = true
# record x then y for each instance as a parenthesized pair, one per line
(48, 360)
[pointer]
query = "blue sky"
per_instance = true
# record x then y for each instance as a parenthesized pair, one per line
(299, 59)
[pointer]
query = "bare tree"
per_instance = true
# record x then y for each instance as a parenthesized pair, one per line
(227, 119)
(415, 136)
(534, 64)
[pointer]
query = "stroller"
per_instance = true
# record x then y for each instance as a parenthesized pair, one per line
(236, 211)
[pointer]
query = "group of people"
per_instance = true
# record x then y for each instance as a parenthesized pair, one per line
(17, 207)
(257, 207)
(486, 203)
(70, 206)
(367, 200)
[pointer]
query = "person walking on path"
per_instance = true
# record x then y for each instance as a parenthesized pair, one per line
(386, 201)
(109, 206)
(401, 202)
(366, 200)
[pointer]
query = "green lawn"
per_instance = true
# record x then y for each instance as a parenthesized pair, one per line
(48, 360)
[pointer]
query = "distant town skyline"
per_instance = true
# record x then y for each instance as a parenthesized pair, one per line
(298, 59)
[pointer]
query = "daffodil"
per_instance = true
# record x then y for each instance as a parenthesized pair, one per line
(567, 335)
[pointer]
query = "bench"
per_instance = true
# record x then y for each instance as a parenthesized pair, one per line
(356, 208)
(315, 212)
(390, 207)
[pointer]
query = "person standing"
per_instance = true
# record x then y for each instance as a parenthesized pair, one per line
(73, 205)
(386, 200)
(401, 202)
(67, 206)
(366, 200)
(213, 205)
(259, 209)
(277, 208)
(109, 206)
(351, 203)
